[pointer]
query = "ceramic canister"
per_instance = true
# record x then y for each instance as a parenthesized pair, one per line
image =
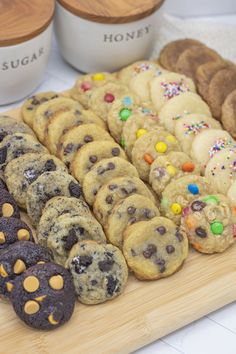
(105, 35)
(25, 38)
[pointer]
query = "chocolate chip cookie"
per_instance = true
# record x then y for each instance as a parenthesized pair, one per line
(9, 126)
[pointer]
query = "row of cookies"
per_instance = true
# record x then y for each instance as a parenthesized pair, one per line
(214, 76)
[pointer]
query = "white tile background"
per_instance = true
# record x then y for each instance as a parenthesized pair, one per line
(213, 334)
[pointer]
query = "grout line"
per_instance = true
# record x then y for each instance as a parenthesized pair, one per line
(219, 324)
(171, 346)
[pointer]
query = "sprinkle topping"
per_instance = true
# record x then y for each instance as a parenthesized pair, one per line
(195, 128)
(219, 144)
(172, 89)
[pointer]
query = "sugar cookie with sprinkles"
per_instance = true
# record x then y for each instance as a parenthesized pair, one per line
(155, 249)
(179, 106)
(191, 125)
(85, 85)
(126, 74)
(13, 230)
(10, 125)
(143, 120)
(8, 206)
(99, 272)
(118, 188)
(102, 173)
(148, 147)
(32, 103)
(221, 169)
(166, 168)
(163, 88)
(44, 296)
(209, 223)
(92, 153)
(127, 212)
(72, 141)
(208, 143)
(14, 261)
(180, 192)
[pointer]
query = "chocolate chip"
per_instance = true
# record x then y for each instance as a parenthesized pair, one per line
(81, 263)
(162, 269)
(132, 220)
(30, 108)
(161, 230)
(48, 113)
(50, 166)
(100, 170)
(111, 166)
(109, 199)
(147, 213)
(79, 146)
(170, 249)
(94, 282)
(160, 261)
(131, 210)
(200, 232)
(18, 153)
(75, 189)
(149, 251)
(106, 265)
(68, 149)
(111, 284)
(88, 138)
(115, 151)
(3, 154)
(198, 205)
(179, 235)
(133, 252)
(112, 187)
(70, 240)
(93, 158)
(34, 101)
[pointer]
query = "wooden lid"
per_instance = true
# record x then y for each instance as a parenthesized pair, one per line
(112, 11)
(21, 20)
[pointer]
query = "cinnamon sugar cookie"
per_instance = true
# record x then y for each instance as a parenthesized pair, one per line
(229, 114)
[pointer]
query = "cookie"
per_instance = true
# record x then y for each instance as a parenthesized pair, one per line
(16, 145)
(163, 88)
(126, 74)
(231, 194)
(50, 109)
(192, 58)
(99, 272)
(47, 186)
(32, 103)
(155, 249)
(101, 99)
(143, 120)
(179, 106)
(15, 259)
(21, 172)
(92, 153)
(169, 167)
(221, 170)
(9, 126)
(170, 52)
(180, 192)
(44, 296)
(56, 207)
(61, 123)
(118, 188)
(208, 143)
(191, 125)
(85, 85)
(8, 206)
(121, 110)
(72, 141)
(209, 224)
(13, 230)
(102, 173)
(127, 212)
(221, 85)
(229, 113)
(205, 73)
(148, 147)
(69, 230)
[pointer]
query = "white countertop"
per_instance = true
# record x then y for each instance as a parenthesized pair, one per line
(213, 334)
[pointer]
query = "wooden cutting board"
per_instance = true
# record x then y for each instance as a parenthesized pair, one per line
(145, 312)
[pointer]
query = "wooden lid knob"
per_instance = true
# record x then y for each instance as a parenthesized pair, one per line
(112, 11)
(21, 20)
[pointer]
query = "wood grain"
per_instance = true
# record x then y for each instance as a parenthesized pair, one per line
(112, 11)
(145, 312)
(21, 20)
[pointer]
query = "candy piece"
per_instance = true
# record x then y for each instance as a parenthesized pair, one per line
(193, 189)
(122, 142)
(9, 286)
(188, 167)
(98, 77)
(124, 114)
(19, 267)
(176, 208)
(31, 284)
(201, 232)
(7, 210)
(2, 238)
(85, 86)
(148, 158)
(109, 97)
(3, 272)
(161, 147)
(171, 139)
(23, 235)
(171, 170)
(217, 228)
(211, 199)
(52, 320)
(140, 132)
(127, 101)
(31, 307)
(56, 282)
